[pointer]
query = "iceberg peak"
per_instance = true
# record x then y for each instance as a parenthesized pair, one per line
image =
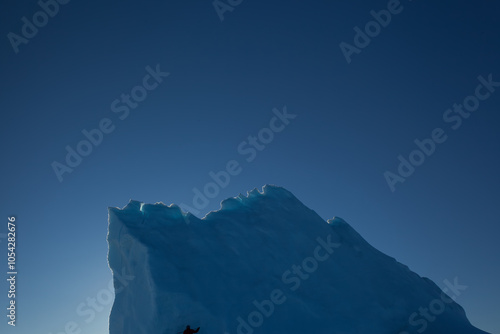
(264, 263)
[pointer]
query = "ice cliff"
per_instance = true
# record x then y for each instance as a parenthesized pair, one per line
(264, 263)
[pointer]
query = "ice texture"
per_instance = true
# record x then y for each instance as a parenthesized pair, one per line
(263, 263)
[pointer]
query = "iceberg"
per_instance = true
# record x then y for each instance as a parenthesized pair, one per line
(264, 263)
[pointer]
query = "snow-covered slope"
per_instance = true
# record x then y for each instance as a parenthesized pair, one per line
(264, 263)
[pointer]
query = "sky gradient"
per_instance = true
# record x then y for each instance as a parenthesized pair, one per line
(351, 118)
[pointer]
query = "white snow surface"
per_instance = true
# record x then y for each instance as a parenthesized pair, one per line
(263, 263)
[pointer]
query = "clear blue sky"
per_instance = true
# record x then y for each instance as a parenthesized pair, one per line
(353, 121)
